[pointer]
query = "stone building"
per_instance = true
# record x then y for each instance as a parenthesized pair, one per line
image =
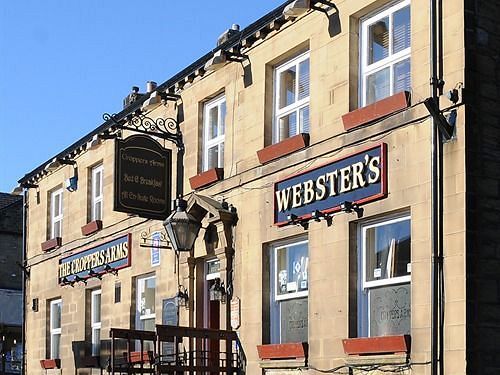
(10, 282)
(341, 158)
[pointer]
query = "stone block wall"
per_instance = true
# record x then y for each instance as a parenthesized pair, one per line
(483, 185)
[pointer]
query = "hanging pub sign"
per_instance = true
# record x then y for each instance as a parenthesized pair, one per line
(143, 177)
(96, 261)
(357, 178)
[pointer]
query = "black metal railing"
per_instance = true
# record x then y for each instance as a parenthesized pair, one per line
(177, 350)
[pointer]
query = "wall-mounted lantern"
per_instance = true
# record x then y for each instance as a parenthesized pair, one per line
(217, 291)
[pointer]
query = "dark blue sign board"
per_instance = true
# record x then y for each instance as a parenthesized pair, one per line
(357, 178)
(112, 255)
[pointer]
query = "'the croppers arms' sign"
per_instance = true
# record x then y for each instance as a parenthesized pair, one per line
(143, 177)
(112, 255)
(358, 178)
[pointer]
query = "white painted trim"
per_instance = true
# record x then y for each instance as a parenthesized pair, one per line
(282, 297)
(94, 324)
(96, 197)
(56, 217)
(219, 140)
(55, 331)
(364, 69)
(295, 106)
(390, 281)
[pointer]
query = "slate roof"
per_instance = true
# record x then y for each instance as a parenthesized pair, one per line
(7, 200)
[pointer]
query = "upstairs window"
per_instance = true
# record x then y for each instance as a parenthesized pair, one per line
(291, 107)
(56, 213)
(96, 191)
(55, 312)
(214, 124)
(385, 53)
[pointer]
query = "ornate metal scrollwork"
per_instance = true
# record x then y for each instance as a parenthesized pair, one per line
(164, 128)
(147, 240)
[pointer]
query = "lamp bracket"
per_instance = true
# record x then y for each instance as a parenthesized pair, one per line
(164, 128)
(235, 56)
(147, 240)
(25, 269)
(169, 96)
(323, 2)
(445, 128)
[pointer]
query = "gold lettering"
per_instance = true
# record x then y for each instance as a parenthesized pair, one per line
(374, 167)
(320, 187)
(308, 191)
(296, 196)
(357, 175)
(283, 199)
(332, 180)
(345, 180)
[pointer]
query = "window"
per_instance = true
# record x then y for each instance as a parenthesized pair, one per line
(289, 292)
(95, 321)
(56, 213)
(96, 191)
(291, 108)
(385, 53)
(55, 328)
(384, 281)
(214, 123)
(145, 304)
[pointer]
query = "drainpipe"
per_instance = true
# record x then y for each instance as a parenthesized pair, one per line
(24, 273)
(436, 192)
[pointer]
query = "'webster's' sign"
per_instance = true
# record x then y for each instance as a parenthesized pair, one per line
(115, 254)
(357, 178)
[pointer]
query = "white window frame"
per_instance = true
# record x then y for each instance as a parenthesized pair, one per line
(95, 325)
(389, 281)
(276, 299)
(389, 61)
(96, 197)
(219, 140)
(56, 217)
(141, 286)
(209, 276)
(298, 104)
(55, 331)
(303, 293)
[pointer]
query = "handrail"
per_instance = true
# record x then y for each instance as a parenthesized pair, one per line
(189, 349)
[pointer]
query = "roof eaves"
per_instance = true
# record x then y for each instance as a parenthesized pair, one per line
(167, 85)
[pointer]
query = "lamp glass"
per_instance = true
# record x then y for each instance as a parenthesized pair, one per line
(182, 228)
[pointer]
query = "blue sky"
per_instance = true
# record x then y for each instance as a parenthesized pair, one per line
(64, 63)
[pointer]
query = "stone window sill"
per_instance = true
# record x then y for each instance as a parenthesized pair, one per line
(206, 178)
(377, 345)
(51, 244)
(92, 227)
(285, 147)
(48, 364)
(377, 110)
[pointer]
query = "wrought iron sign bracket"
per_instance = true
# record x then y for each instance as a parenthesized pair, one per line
(164, 128)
